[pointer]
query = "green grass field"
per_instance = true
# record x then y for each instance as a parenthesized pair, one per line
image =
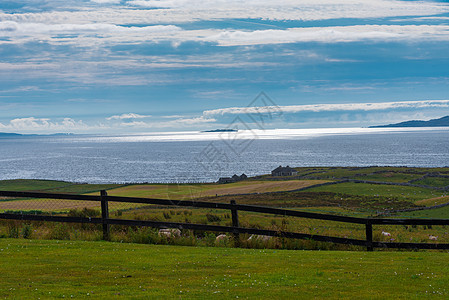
(436, 213)
(51, 186)
(192, 191)
(434, 181)
(385, 174)
(66, 269)
(402, 192)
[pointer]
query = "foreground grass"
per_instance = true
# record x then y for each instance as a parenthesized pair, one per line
(39, 268)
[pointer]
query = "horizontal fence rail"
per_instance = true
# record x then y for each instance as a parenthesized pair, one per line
(103, 199)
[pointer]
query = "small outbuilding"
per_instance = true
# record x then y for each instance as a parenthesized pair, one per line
(225, 180)
(232, 179)
(284, 171)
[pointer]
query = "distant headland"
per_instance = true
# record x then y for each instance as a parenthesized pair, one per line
(8, 134)
(221, 130)
(441, 122)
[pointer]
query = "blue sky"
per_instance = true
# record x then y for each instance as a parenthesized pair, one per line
(123, 66)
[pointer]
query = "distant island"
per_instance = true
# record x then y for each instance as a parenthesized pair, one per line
(441, 122)
(221, 130)
(8, 134)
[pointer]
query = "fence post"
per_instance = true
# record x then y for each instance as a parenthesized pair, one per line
(104, 214)
(235, 224)
(369, 235)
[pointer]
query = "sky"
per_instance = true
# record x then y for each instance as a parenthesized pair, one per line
(135, 66)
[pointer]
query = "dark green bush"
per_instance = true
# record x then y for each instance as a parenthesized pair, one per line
(212, 218)
(27, 231)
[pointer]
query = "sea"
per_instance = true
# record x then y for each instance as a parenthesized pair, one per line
(180, 157)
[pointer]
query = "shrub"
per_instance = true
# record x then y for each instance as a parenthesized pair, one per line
(212, 218)
(209, 239)
(60, 232)
(144, 236)
(13, 231)
(84, 213)
(27, 230)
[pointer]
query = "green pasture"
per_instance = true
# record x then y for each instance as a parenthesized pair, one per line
(352, 199)
(436, 213)
(384, 173)
(369, 204)
(51, 186)
(380, 174)
(31, 185)
(191, 191)
(67, 269)
(433, 181)
(388, 177)
(402, 192)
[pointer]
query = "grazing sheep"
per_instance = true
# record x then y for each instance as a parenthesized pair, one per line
(384, 233)
(261, 238)
(168, 233)
(433, 238)
(221, 237)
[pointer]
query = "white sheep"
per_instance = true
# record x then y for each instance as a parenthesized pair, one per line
(169, 232)
(221, 237)
(433, 238)
(384, 233)
(261, 238)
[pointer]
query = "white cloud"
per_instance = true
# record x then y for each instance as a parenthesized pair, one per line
(178, 123)
(290, 10)
(330, 107)
(45, 125)
(172, 117)
(100, 33)
(128, 116)
(335, 34)
(24, 29)
(106, 1)
(32, 124)
(183, 11)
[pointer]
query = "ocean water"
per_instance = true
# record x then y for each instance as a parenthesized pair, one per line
(204, 157)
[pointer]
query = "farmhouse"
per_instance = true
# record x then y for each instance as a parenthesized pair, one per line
(284, 171)
(234, 178)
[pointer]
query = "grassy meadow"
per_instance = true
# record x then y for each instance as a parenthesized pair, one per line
(74, 269)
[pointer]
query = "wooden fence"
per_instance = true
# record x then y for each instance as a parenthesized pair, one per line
(235, 229)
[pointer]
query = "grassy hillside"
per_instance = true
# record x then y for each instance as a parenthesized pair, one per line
(364, 189)
(51, 186)
(56, 269)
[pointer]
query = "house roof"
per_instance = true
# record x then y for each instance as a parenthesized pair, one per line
(284, 169)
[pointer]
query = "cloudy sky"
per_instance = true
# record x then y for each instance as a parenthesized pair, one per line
(119, 66)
